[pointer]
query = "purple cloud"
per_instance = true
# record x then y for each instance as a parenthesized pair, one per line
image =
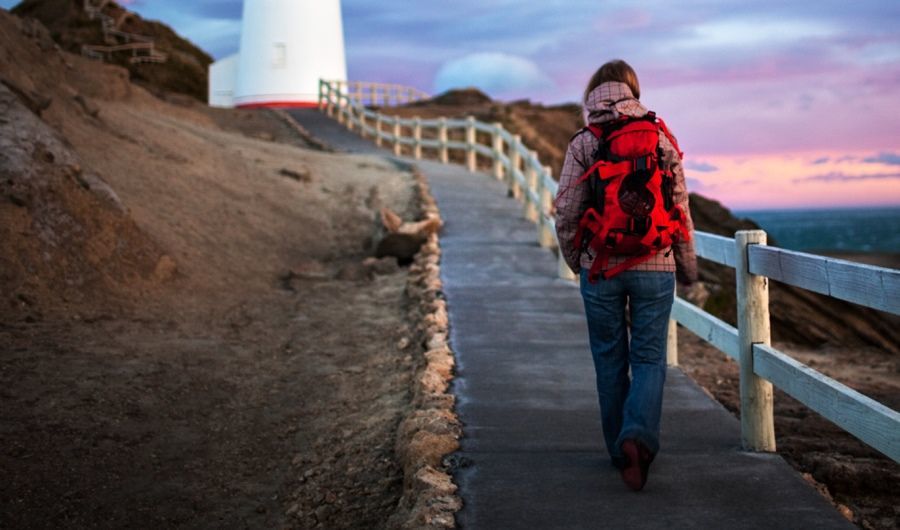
(838, 176)
(891, 159)
(703, 167)
(730, 78)
(697, 185)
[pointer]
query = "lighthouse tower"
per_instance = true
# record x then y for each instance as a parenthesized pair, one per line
(286, 47)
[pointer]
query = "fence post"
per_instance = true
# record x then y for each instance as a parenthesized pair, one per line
(350, 109)
(397, 145)
(362, 119)
(378, 120)
(546, 235)
(515, 160)
(672, 341)
(359, 93)
(442, 138)
(330, 102)
(471, 155)
(497, 150)
(531, 178)
(564, 271)
(321, 95)
(340, 107)
(417, 136)
(757, 425)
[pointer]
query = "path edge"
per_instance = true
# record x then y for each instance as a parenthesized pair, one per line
(431, 430)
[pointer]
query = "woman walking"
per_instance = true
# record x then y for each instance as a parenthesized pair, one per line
(623, 223)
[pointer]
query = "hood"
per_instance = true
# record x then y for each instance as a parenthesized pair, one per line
(609, 101)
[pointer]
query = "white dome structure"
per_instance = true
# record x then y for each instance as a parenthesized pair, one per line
(286, 47)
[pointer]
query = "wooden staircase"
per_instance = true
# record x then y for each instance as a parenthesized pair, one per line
(142, 48)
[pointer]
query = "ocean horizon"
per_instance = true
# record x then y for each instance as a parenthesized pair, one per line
(867, 229)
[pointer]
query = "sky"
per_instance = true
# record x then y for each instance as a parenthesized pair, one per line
(776, 104)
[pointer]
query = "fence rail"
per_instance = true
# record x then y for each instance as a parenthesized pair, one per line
(875, 287)
(505, 156)
(112, 36)
(379, 94)
(481, 144)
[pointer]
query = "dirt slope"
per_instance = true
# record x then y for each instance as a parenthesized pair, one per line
(66, 233)
(188, 337)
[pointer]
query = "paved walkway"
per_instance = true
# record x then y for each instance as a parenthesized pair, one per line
(525, 394)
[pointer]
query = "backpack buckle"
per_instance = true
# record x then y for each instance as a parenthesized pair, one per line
(638, 225)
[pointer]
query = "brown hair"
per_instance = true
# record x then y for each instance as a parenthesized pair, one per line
(615, 70)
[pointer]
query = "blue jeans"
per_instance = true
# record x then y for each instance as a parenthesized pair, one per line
(629, 409)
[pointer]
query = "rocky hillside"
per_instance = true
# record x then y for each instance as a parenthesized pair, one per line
(184, 70)
(81, 149)
(65, 233)
(798, 316)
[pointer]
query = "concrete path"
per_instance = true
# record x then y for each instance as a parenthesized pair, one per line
(532, 454)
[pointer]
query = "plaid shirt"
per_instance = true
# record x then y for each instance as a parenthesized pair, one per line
(607, 102)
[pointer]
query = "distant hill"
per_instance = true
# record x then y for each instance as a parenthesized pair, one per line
(186, 66)
(798, 316)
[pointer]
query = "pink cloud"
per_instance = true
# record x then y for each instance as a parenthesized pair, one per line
(797, 180)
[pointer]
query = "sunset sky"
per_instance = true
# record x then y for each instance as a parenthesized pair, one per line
(776, 104)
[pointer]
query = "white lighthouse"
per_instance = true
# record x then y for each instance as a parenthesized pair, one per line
(286, 47)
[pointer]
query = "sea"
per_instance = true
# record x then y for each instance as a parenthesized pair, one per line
(873, 229)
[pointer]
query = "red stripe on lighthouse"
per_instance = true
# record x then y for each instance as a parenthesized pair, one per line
(279, 105)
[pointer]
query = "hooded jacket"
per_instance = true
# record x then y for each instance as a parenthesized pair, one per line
(607, 102)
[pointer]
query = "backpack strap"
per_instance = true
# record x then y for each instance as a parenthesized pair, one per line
(672, 140)
(592, 223)
(597, 268)
(607, 170)
(627, 264)
(579, 133)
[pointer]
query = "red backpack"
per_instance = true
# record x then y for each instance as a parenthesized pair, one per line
(633, 209)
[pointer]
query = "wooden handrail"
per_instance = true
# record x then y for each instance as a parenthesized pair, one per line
(749, 343)
(754, 261)
(119, 47)
(867, 285)
(110, 27)
(512, 160)
(379, 94)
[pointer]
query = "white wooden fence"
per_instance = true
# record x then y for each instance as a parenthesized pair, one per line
(762, 365)
(379, 94)
(754, 262)
(508, 158)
